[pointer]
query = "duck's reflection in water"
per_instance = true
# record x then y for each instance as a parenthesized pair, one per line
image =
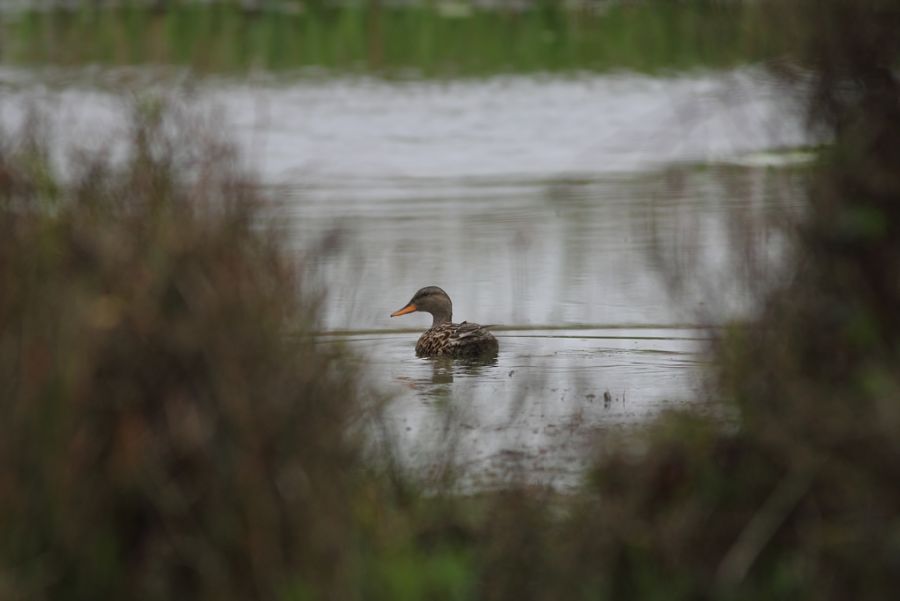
(452, 409)
(437, 382)
(445, 369)
(442, 370)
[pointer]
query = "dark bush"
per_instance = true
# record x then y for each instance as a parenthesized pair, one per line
(799, 500)
(161, 436)
(797, 497)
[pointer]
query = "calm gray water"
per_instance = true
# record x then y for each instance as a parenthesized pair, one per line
(538, 410)
(564, 209)
(579, 274)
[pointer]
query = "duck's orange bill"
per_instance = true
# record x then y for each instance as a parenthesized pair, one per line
(407, 309)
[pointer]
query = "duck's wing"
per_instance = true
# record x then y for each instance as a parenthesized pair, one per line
(472, 339)
(468, 330)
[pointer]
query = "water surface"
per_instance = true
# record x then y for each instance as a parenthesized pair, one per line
(564, 209)
(534, 412)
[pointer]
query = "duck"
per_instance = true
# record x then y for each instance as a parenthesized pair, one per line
(445, 338)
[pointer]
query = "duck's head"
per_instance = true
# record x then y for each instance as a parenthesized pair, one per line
(430, 299)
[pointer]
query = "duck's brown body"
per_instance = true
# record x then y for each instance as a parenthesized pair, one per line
(457, 340)
(445, 338)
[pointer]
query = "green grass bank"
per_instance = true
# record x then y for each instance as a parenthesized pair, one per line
(422, 40)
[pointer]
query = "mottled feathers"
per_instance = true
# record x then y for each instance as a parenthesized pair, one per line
(457, 340)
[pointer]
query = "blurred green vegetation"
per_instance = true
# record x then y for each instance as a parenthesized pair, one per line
(162, 438)
(423, 39)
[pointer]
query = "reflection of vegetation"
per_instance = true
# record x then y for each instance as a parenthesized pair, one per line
(425, 39)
